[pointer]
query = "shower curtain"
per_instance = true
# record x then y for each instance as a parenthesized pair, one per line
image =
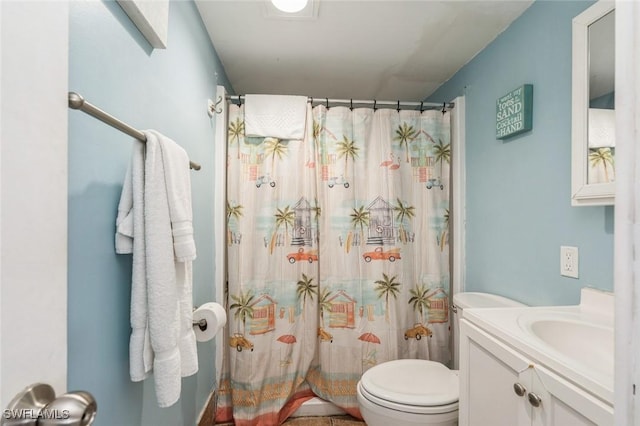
(338, 256)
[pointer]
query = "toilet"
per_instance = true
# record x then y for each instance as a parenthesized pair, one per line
(409, 392)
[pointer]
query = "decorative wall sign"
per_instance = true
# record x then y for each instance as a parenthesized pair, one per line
(514, 112)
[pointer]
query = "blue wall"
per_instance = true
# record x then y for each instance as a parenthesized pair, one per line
(518, 190)
(113, 67)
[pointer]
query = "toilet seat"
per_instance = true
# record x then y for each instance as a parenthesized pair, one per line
(412, 386)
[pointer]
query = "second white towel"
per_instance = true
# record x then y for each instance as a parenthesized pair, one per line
(276, 116)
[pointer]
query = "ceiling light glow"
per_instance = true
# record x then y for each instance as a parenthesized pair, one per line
(290, 6)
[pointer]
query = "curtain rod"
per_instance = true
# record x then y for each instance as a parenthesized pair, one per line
(77, 102)
(374, 102)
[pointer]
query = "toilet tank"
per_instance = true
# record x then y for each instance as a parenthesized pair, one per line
(483, 300)
(474, 300)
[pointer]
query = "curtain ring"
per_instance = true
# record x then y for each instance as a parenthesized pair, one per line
(239, 100)
(351, 104)
(443, 107)
(421, 103)
(327, 103)
(398, 108)
(374, 105)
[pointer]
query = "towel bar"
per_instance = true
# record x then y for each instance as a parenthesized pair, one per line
(77, 102)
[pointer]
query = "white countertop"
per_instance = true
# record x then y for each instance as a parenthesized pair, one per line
(512, 327)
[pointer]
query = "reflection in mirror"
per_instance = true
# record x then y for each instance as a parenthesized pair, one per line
(592, 106)
(601, 115)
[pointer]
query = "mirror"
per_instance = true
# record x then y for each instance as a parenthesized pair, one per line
(593, 100)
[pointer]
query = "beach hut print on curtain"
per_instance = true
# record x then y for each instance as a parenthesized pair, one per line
(438, 302)
(252, 159)
(264, 315)
(422, 165)
(381, 223)
(342, 313)
(304, 226)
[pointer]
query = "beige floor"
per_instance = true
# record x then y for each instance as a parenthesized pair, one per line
(319, 421)
(324, 421)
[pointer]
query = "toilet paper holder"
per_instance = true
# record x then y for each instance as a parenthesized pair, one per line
(209, 318)
(202, 324)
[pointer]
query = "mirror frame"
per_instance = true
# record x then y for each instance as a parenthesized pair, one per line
(582, 192)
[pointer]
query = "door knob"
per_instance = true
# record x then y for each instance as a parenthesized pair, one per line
(37, 405)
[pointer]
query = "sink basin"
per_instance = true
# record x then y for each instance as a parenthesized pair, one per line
(585, 343)
(575, 342)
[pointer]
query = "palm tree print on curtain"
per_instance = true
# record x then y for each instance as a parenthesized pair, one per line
(324, 305)
(378, 284)
(403, 211)
(442, 154)
(233, 212)
(404, 135)
(359, 219)
(387, 287)
(274, 147)
(305, 288)
(283, 218)
(236, 131)
(347, 149)
(443, 239)
(243, 309)
(418, 300)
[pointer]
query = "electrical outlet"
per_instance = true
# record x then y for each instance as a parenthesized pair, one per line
(569, 261)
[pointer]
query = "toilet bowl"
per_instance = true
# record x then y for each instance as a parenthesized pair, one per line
(409, 392)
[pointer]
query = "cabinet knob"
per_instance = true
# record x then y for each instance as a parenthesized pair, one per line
(519, 389)
(534, 399)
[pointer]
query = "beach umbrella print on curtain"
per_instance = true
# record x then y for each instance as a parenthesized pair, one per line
(289, 340)
(369, 338)
(370, 357)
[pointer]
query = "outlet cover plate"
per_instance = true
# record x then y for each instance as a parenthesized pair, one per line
(569, 261)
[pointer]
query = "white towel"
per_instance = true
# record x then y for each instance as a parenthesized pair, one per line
(157, 192)
(177, 176)
(162, 290)
(602, 128)
(277, 116)
(178, 186)
(130, 239)
(187, 343)
(124, 221)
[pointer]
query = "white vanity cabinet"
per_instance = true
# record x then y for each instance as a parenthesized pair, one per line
(500, 386)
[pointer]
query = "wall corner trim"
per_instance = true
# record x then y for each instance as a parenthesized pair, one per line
(151, 18)
(208, 414)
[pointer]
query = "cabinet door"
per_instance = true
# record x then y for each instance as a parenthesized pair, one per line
(564, 404)
(488, 373)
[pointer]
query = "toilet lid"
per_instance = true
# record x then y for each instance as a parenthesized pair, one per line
(412, 382)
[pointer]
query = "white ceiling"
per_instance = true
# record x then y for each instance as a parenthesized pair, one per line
(366, 49)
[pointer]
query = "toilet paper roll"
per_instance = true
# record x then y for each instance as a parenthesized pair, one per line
(216, 318)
